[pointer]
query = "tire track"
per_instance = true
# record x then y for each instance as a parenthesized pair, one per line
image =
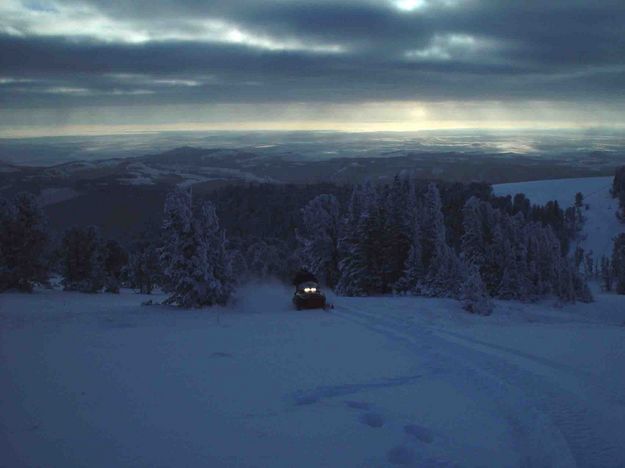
(575, 425)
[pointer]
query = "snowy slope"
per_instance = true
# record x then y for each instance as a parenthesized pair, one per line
(99, 380)
(601, 222)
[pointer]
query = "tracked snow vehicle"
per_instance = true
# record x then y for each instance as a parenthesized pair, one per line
(307, 295)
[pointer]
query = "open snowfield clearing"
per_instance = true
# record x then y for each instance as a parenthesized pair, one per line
(99, 380)
(601, 222)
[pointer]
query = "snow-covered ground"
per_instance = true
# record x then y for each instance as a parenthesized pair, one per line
(100, 380)
(601, 222)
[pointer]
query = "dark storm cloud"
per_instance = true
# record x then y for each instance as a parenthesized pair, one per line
(322, 51)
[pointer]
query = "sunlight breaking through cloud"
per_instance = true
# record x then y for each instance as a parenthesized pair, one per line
(452, 46)
(311, 64)
(82, 21)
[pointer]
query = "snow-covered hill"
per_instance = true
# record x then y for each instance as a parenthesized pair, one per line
(99, 380)
(601, 223)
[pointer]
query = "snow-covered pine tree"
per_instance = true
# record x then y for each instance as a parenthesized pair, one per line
(549, 257)
(195, 261)
(214, 270)
(582, 290)
(540, 269)
(444, 269)
(82, 260)
(474, 296)
(512, 248)
(115, 260)
(413, 274)
(144, 268)
(397, 232)
(579, 211)
(571, 286)
(446, 274)
(372, 241)
(7, 216)
(618, 191)
(618, 263)
(482, 224)
(607, 276)
(432, 226)
(355, 244)
(353, 270)
(589, 266)
(473, 241)
(177, 238)
(238, 265)
(318, 238)
(350, 266)
(578, 255)
(23, 242)
(264, 260)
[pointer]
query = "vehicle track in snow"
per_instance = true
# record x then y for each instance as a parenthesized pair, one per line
(554, 426)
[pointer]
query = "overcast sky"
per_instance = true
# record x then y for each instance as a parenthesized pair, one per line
(102, 66)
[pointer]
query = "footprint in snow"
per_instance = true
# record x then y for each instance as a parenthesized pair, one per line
(419, 432)
(361, 405)
(400, 455)
(372, 420)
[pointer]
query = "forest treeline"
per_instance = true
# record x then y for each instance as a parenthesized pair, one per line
(404, 237)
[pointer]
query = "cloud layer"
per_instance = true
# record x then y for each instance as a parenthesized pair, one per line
(75, 54)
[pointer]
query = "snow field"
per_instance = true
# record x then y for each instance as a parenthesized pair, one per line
(100, 380)
(601, 223)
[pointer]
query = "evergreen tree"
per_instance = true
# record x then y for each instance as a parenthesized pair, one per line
(360, 246)
(607, 276)
(83, 257)
(618, 263)
(589, 266)
(565, 287)
(196, 264)
(352, 266)
(397, 232)
(23, 242)
(144, 269)
(115, 260)
(618, 191)
(238, 264)
(582, 290)
(473, 237)
(433, 226)
(215, 272)
(446, 274)
(264, 260)
(412, 279)
(578, 256)
(178, 243)
(579, 210)
(474, 296)
(319, 238)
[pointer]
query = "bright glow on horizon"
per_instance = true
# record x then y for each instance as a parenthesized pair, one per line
(400, 116)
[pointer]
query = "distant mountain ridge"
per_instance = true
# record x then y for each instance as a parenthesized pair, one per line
(190, 165)
(120, 192)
